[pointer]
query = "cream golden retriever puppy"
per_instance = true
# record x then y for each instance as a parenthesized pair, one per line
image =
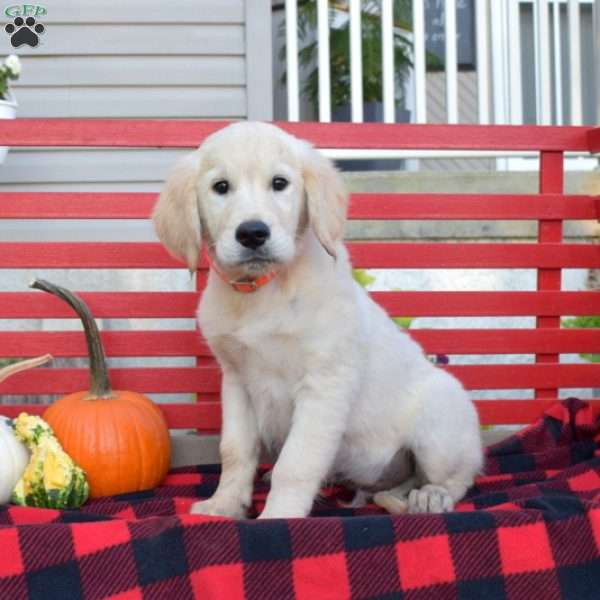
(312, 368)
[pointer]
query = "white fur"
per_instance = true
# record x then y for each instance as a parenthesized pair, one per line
(312, 367)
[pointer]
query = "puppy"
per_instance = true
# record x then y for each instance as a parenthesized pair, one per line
(312, 367)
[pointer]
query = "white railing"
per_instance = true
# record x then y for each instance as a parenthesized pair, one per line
(387, 49)
(451, 62)
(482, 47)
(291, 37)
(575, 61)
(500, 93)
(324, 67)
(419, 63)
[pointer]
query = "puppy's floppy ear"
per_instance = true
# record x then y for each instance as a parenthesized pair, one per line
(327, 198)
(176, 217)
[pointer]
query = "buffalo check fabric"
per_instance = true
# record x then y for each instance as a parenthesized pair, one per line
(529, 529)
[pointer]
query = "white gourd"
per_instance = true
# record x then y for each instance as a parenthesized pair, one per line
(14, 457)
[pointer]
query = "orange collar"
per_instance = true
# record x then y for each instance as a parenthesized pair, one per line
(246, 286)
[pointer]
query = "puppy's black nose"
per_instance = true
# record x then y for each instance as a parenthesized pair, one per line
(252, 234)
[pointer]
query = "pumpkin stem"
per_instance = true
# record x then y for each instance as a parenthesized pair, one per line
(23, 365)
(99, 382)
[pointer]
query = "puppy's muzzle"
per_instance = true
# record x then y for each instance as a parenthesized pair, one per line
(252, 234)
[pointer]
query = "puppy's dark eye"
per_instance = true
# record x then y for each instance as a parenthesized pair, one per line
(279, 183)
(221, 187)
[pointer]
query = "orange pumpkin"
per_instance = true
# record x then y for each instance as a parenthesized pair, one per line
(119, 438)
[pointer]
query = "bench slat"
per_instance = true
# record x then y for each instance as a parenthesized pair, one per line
(199, 415)
(157, 380)
(81, 255)
(507, 341)
(190, 133)
(190, 343)
(488, 304)
(473, 206)
(76, 205)
(173, 305)
(116, 343)
(395, 255)
(520, 376)
(169, 305)
(472, 255)
(207, 415)
(517, 412)
(206, 379)
(119, 205)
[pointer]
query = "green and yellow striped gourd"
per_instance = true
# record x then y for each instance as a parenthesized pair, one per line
(51, 479)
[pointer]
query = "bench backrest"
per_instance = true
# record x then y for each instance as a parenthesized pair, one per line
(548, 255)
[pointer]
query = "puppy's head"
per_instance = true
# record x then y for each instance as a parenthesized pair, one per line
(250, 190)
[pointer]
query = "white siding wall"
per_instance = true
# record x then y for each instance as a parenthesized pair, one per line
(136, 59)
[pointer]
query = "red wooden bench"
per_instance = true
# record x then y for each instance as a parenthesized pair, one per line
(548, 255)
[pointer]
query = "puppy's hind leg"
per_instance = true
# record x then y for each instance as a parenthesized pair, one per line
(447, 448)
(445, 477)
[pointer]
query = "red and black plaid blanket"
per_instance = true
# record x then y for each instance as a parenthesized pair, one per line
(529, 529)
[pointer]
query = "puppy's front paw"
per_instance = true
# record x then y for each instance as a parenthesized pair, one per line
(430, 499)
(217, 507)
